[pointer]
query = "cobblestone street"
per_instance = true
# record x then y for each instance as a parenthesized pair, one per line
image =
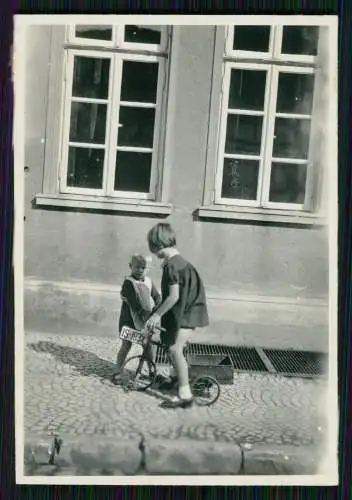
(66, 378)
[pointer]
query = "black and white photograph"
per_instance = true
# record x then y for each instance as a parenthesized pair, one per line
(176, 249)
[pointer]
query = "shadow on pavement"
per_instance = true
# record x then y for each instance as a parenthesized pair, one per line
(84, 362)
(89, 364)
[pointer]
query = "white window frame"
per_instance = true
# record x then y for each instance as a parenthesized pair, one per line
(118, 40)
(69, 66)
(269, 159)
(265, 62)
(274, 50)
(113, 147)
(112, 102)
(223, 125)
(248, 54)
(150, 47)
(299, 58)
(90, 42)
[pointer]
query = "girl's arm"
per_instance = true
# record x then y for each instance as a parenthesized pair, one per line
(156, 296)
(169, 302)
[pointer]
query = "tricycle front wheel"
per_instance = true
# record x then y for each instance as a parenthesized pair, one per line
(138, 373)
(206, 390)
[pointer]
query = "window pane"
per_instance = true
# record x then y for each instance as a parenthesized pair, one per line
(243, 134)
(143, 34)
(88, 122)
(240, 179)
(295, 93)
(247, 89)
(91, 77)
(251, 38)
(85, 168)
(287, 183)
(136, 127)
(133, 171)
(291, 138)
(300, 40)
(139, 81)
(94, 32)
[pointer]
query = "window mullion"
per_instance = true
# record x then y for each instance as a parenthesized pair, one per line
(116, 79)
(68, 72)
(120, 35)
(278, 30)
(222, 132)
(156, 160)
(109, 119)
(229, 36)
(115, 35)
(273, 76)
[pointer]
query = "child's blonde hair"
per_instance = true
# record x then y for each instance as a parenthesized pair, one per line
(161, 236)
(140, 258)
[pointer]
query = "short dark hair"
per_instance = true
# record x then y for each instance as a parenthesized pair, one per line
(161, 236)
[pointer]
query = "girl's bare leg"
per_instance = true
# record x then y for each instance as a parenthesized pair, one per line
(180, 363)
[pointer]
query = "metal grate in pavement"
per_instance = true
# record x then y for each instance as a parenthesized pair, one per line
(297, 363)
(208, 350)
(250, 359)
(242, 358)
(246, 359)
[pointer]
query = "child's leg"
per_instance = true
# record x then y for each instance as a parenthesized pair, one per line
(122, 354)
(180, 363)
(150, 352)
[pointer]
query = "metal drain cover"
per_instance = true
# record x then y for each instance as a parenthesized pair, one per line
(251, 359)
(298, 363)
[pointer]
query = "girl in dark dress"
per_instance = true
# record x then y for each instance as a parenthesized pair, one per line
(183, 306)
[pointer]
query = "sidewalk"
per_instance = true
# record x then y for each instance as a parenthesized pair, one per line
(263, 424)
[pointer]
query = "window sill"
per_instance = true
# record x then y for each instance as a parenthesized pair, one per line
(99, 203)
(260, 215)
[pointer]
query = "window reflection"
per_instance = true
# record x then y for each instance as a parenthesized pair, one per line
(295, 93)
(240, 179)
(91, 77)
(251, 38)
(243, 134)
(300, 40)
(93, 32)
(288, 183)
(143, 34)
(247, 89)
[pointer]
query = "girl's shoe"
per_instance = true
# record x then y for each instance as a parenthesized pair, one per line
(178, 403)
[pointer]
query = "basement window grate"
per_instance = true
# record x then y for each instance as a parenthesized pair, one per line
(297, 363)
(251, 359)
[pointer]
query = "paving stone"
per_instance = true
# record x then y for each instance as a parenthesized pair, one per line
(258, 408)
(184, 457)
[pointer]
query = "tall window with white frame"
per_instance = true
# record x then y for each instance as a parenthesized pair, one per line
(266, 114)
(115, 81)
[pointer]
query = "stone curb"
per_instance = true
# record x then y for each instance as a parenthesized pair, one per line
(92, 456)
(84, 457)
(280, 460)
(186, 457)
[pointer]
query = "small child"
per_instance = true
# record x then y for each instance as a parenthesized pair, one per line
(183, 307)
(139, 296)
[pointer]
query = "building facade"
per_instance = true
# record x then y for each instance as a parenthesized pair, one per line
(220, 130)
